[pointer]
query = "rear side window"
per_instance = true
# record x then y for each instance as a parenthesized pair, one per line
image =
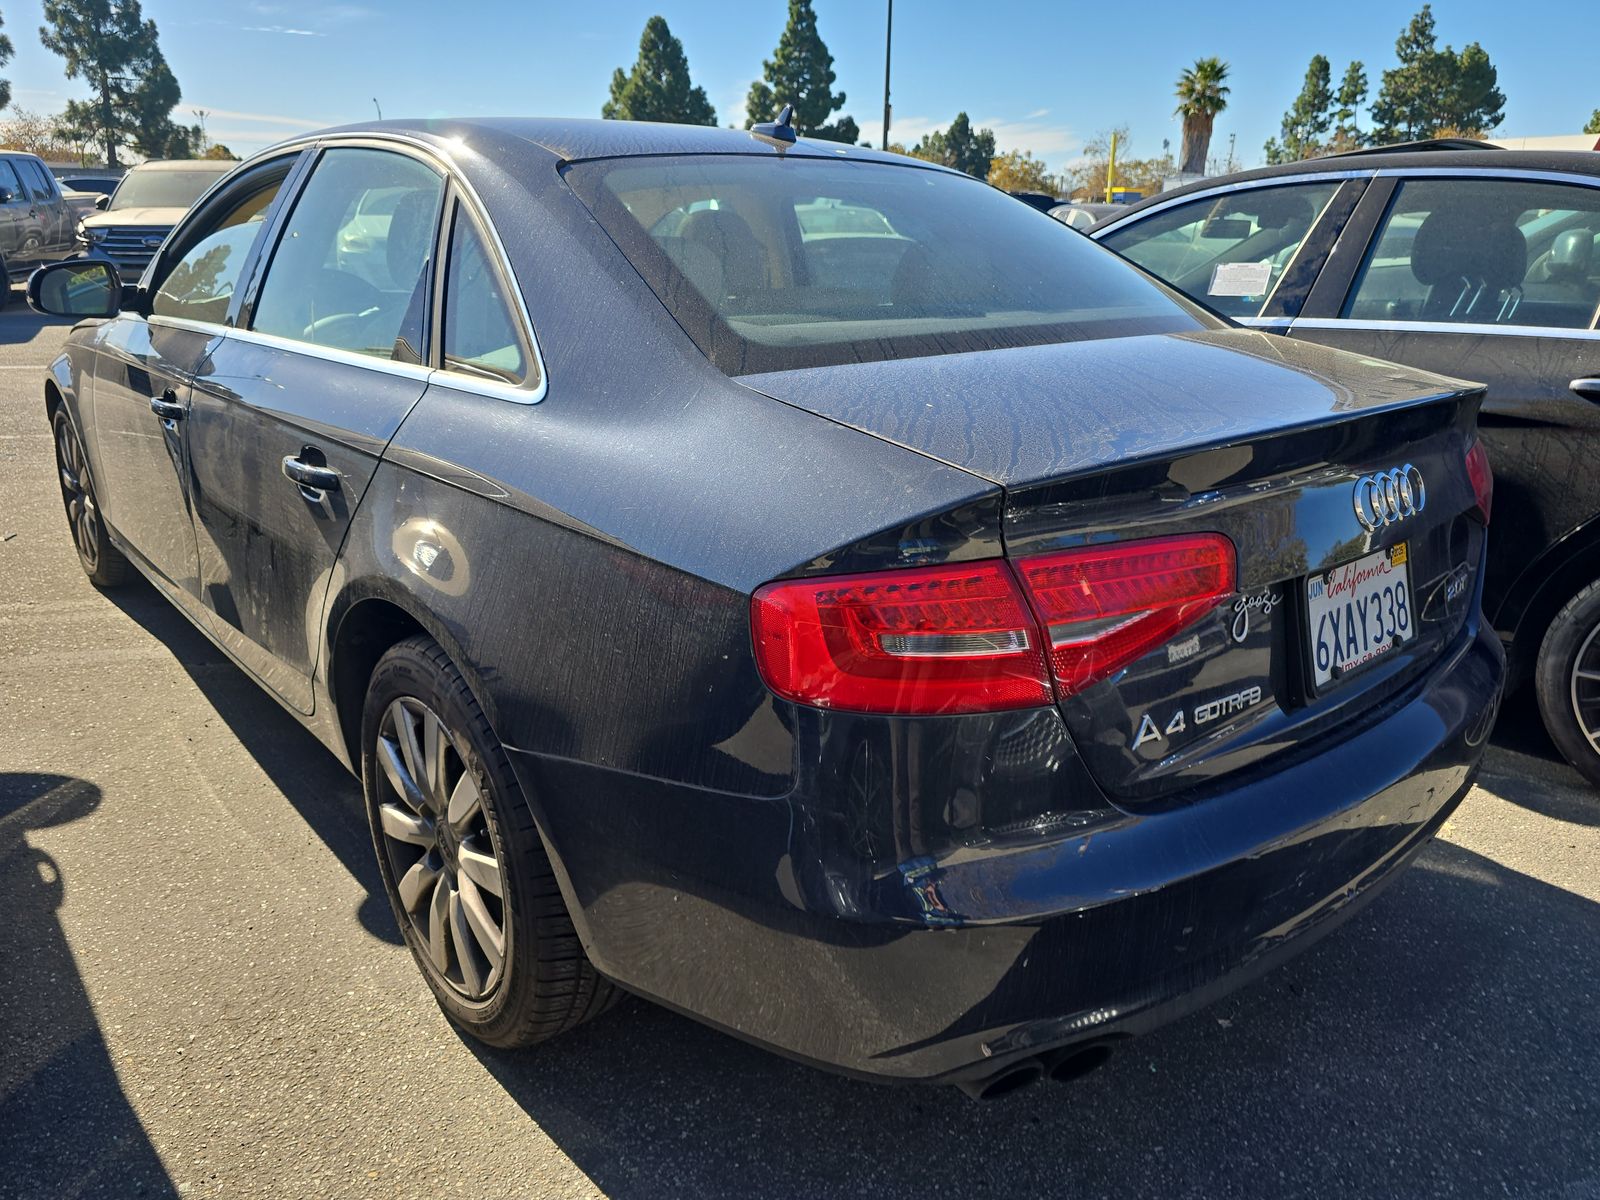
(773, 264)
(36, 178)
(480, 335)
(1484, 252)
(1227, 251)
(345, 274)
(9, 181)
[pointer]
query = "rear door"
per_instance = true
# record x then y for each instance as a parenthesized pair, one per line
(1497, 280)
(286, 429)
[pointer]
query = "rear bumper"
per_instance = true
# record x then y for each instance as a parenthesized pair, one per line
(728, 908)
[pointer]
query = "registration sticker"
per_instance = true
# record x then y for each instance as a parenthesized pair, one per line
(1358, 612)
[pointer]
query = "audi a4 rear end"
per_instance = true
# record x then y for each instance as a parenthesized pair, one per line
(795, 584)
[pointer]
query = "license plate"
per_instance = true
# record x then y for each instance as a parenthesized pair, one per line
(1359, 611)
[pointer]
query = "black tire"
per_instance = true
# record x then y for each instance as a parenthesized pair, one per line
(1567, 678)
(102, 562)
(431, 856)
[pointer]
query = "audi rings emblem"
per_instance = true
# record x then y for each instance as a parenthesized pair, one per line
(1385, 497)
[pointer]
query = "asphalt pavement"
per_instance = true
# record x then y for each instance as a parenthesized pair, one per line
(202, 992)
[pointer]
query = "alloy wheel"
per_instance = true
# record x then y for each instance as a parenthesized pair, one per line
(1585, 688)
(83, 516)
(448, 879)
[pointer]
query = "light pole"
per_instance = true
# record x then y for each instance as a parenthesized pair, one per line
(377, 106)
(888, 36)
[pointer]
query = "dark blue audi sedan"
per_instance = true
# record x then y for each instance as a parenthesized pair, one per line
(798, 585)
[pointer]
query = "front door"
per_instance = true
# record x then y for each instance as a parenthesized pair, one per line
(145, 373)
(13, 225)
(1497, 281)
(289, 422)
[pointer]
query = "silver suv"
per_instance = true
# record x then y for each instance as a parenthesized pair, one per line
(36, 224)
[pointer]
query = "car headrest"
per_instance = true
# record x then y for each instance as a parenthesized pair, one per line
(727, 236)
(1571, 257)
(1453, 245)
(408, 228)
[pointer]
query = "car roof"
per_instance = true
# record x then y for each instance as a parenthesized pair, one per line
(572, 139)
(1574, 162)
(218, 165)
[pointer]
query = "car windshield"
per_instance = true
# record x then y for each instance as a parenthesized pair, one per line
(773, 264)
(161, 189)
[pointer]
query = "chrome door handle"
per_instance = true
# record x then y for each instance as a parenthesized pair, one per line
(310, 477)
(166, 406)
(1589, 389)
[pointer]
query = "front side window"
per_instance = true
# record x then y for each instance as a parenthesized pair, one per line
(1226, 251)
(201, 285)
(480, 335)
(1484, 252)
(771, 264)
(351, 267)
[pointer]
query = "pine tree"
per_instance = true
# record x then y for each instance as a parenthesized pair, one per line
(1352, 95)
(658, 88)
(801, 73)
(1594, 122)
(1435, 91)
(960, 146)
(1308, 119)
(110, 45)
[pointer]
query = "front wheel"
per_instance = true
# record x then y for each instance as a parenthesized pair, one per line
(1568, 681)
(467, 875)
(102, 562)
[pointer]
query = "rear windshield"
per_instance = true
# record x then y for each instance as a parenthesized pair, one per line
(770, 264)
(162, 189)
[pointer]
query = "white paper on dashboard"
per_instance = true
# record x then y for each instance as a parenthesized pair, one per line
(1240, 279)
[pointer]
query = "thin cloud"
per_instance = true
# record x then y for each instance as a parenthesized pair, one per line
(228, 114)
(282, 29)
(1037, 113)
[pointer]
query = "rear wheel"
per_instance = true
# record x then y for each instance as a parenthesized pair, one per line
(1568, 681)
(102, 562)
(467, 875)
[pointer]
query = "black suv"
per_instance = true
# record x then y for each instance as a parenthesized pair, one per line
(1478, 263)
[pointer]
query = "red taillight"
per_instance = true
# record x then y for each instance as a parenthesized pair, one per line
(1482, 477)
(962, 637)
(1105, 606)
(946, 639)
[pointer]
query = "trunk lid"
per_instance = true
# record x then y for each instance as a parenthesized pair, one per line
(1228, 432)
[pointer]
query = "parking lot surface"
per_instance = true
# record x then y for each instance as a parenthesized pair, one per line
(202, 991)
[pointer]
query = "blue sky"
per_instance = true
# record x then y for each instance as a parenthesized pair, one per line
(1044, 76)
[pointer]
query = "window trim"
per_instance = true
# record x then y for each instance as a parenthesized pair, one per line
(309, 147)
(456, 210)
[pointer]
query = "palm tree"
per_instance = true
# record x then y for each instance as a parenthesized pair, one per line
(1201, 96)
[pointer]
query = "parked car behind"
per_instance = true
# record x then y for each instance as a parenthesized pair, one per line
(100, 185)
(937, 668)
(148, 201)
(1083, 216)
(36, 222)
(1481, 263)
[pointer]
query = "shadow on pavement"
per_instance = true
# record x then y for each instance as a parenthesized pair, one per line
(1441, 1044)
(1521, 750)
(66, 1129)
(325, 795)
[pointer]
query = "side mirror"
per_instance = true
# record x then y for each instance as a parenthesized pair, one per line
(6, 196)
(101, 201)
(79, 288)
